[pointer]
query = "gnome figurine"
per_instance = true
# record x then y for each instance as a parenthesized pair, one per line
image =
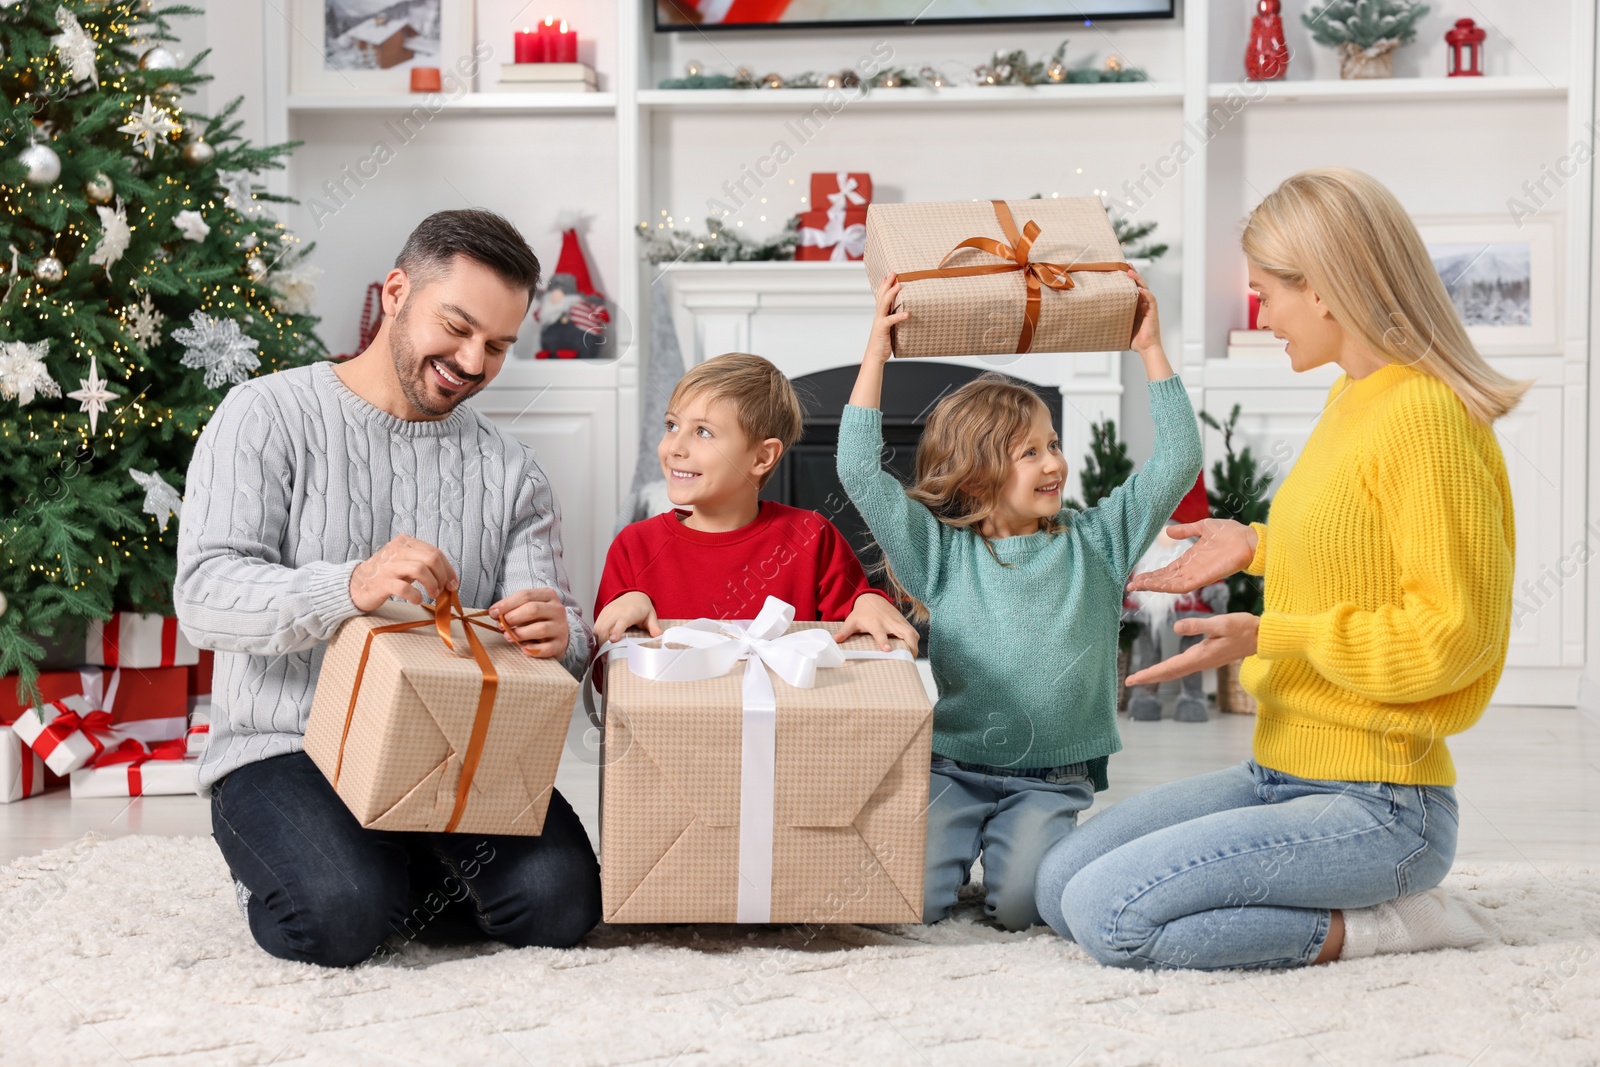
(571, 314)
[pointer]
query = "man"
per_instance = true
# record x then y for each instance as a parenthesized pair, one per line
(317, 494)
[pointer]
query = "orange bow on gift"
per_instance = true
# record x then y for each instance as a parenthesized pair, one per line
(445, 608)
(1037, 275)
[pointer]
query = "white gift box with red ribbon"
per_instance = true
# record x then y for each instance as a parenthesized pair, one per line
(68, 733)
(134, 769)
(21, 769)
(128, 639)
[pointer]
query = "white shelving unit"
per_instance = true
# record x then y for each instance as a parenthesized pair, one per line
(1446, 145)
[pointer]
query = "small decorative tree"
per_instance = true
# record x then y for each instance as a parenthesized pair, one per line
(1237, 490)
(1365, 32)
(1105, 467)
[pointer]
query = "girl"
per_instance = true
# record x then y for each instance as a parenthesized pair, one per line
(1388, 561)
(1025, 599)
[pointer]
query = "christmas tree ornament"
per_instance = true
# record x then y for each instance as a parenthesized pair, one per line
(158, 58)
(693, 68)
(237, 192)
(42, 163)
(49, 270)
(144, 322)
(4, 604)
(147, 126)
(114, 238)
(99, 189)
(161, 501)
(191, 224)
(23, 375)
(295, 288)
(773, 81)
(219, 347)
(255, 268)
(1266, 57)
(250, 241)
(75, 48)
(92, 395)
(198, 153)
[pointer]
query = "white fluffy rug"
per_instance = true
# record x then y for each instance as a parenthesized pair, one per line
(132, 950)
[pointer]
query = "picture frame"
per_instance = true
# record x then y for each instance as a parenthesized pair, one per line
(366, 47)
(1504, 278)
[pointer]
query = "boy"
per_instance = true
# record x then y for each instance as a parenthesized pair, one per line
(728, 422)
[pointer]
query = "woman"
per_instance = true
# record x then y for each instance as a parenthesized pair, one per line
(1387, 559)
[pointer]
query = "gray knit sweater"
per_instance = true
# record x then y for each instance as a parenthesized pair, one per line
(294, 482)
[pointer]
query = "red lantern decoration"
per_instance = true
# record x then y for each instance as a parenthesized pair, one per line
(1266, 57)
(1466, 49)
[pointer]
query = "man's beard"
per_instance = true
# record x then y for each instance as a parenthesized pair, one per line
(412, 372)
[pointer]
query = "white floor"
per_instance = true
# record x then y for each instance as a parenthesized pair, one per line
(1529, 787)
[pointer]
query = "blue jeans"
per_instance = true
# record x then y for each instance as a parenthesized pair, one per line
(325, 890)
(1241, 867)
(1013, 817)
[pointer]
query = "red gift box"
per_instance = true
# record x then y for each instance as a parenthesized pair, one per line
(843, 189)
(835, 235)
(200, 683)
(151, 705)
(129, 639)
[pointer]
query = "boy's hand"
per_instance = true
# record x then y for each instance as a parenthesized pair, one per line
(535, 619)
(880, 346)
(1146, 320)
(874, 615)
(628, 611)
(1224, 547)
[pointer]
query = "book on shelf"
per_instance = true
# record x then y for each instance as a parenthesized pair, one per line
(1255, 344)
(546, 78)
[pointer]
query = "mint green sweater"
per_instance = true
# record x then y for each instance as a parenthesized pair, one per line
(1025, 654)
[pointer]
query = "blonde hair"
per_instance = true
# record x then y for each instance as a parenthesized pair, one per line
(964, 458)
(764, 403)
(1344, 234)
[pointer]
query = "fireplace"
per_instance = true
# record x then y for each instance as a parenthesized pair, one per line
(806, 476)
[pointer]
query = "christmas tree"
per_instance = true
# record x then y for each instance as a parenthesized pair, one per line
(1238, 490)
(140, 278)
(1105, 467)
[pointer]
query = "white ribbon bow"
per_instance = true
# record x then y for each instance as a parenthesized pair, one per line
(847, 192)
(847, 242)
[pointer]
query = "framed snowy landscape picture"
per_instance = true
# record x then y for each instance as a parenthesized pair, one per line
(1501, 276)
(370, 46)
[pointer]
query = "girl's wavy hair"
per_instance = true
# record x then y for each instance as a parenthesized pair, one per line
(964, 457)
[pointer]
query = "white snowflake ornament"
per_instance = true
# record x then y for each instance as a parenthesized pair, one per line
(161, 501)
(218, 346)
(149, 125)
(92, 395)
(144, 322)
(22, 372)
(75, 47)
(114, 241)
(191, 224)
(237, 191)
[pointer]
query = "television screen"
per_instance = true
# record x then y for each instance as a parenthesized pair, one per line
(796, 14)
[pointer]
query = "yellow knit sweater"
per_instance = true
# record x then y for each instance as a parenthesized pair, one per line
(1388, 586)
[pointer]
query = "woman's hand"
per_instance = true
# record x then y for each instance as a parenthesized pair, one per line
(1228, 639)
(1225, 547)
(632, 609)
(868, 392)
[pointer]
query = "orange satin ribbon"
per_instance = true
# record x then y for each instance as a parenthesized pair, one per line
(445, 608)
(1054, 275)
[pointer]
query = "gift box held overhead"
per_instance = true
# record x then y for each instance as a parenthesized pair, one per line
(1003, 276)
(789, 788)
(430, 719)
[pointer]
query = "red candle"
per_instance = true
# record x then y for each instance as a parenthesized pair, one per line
(563, 46)
(425, 80)
(1255, 308)
(529, 47)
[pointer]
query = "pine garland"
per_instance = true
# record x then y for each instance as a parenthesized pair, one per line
(75, 542)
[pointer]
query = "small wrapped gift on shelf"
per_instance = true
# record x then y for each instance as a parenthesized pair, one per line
(128, 639)
(134, 769)
(430, 719)
(67, 733)
(1003, 276)
(790, 788)
(832, 235)
(21, 769)
(146, 704)
(840, 189)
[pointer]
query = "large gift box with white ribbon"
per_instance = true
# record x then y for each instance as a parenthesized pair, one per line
(992, 277)
(791, 787)
(430, 719)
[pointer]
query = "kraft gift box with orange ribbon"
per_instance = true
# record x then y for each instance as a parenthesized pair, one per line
(791, 787)
(991, 277)
(430, 719)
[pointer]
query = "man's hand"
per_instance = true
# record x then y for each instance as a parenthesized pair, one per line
(630, 610)
(874, 615)
(397, 569)
(1225, 547)
(1229, 638)
(534, 619)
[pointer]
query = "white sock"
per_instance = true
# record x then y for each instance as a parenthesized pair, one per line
(1418, 922)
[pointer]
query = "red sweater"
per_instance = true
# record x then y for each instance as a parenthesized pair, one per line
(797, 556)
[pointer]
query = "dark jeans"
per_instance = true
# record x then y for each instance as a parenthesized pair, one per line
(324, 890)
